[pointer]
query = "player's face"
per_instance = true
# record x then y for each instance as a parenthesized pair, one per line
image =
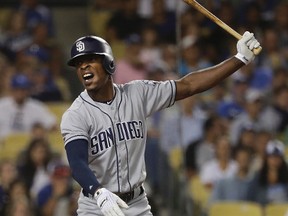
(91, 72)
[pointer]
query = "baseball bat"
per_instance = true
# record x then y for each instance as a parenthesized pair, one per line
(218, 21)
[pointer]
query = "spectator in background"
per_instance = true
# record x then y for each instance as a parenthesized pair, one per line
(16, 36)
(38, 131)
(169, 59)
(8, 173)
(252, 116)
(36, 13)
(163, 20)
(181, 128)
(224, 47)
(191, 54)
(54, 198)
(238, 187)
(205, 150)
(7, 69)
(260, 144)
(233, 104)
(214, 98)
(192, 118)
(189, 24)
(280, 79)
(126, 20)
(247, 137)
(221, 167)
(50, 54)
(271, 181)
(150, 53)
(252, 19)
(18, 112)
(272, 57)
(277, 111)
(258, 76)
(19, 201)
(30, 60)
(34, 63)
(34, 167)
(130, 67)
(280, 23)
(44, 88)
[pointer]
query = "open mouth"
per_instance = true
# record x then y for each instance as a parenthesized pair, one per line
(88, 76)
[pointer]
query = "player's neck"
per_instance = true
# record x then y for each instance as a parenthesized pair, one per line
(104, 95)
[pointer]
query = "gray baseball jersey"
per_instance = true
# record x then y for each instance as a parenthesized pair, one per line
(116, 132)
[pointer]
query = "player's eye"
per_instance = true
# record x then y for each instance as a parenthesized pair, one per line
(86, 60)
(78, 63)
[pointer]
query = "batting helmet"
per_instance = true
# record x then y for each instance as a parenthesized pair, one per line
(92, 45)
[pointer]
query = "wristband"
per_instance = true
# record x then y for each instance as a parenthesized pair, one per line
(242, 58)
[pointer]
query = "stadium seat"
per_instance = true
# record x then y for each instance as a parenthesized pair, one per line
(56, 141)
(276, 209)
(5, 14)
(58, 108)
(199, 193)
(12, 145)
(237, 208)
(176, 158)
(97, 21)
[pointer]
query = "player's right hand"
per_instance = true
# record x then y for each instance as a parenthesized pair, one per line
(109, 203)
(245, 47)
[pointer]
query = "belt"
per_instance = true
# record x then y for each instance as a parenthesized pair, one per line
(126, 197)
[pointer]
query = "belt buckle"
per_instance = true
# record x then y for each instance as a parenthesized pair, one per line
(130, 196)
(126, 197)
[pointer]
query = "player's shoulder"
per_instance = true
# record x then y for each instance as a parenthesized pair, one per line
(132, 87)
(75, 107)
(144, 82)
(140, 84)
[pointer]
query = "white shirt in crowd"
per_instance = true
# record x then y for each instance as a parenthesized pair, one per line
(212, 172)
(14, 118)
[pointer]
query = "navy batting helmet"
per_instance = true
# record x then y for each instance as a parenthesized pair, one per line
(92, 45)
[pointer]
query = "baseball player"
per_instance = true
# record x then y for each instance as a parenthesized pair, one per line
(104, 130)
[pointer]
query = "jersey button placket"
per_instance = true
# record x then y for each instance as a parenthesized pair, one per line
(114, 116)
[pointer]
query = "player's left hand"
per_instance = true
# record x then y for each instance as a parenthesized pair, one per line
(109, 203)
(245, 47)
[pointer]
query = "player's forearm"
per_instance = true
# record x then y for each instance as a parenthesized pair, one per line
(77, 154)
(199, 81)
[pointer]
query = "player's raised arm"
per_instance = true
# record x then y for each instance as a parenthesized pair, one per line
(205, 79)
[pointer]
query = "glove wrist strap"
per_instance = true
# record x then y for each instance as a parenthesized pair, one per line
(242, 58)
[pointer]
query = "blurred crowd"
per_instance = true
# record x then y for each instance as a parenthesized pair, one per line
(232, 138)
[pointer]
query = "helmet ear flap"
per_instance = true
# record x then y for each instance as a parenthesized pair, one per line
(108, 64)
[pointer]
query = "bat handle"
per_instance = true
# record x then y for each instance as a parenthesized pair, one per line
(257, 50)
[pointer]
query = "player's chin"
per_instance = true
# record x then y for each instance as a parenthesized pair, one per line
(90, 86)
(87, 84)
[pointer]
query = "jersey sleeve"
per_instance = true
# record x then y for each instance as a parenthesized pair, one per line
(73, 126)
(156, 95)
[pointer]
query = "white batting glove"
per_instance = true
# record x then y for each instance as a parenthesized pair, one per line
(245, 47)
(109, 203)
